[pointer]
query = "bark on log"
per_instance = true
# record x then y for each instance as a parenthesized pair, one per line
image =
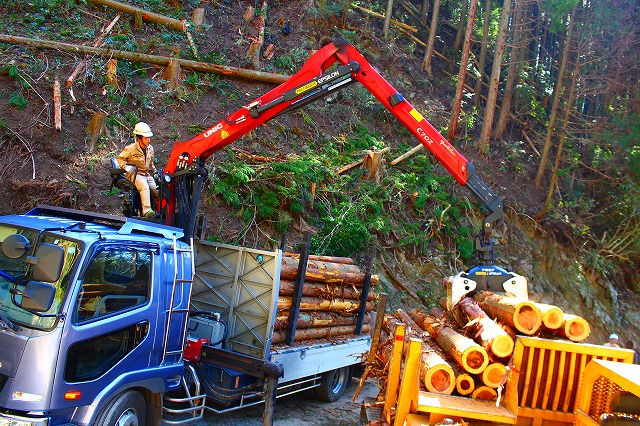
(490, 335)
(484, 393)
(336, 273)
(318, 304)
(552, 316)
(328, 259)
(406, 318)
(150, 59)
(57, 105)
(318, 319)
(429, 323)
(494, 375)
(574, 328)
(467, 353)
(318, 333)
(323, 290)
(472, 357)
(516, 313)
(156, 18)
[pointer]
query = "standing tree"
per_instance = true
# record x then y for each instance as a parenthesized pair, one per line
(428, 54)
(487, 124)
(482, 60)
(462, 74)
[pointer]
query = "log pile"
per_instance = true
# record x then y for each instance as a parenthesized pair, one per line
(330, 302)
(467, 350)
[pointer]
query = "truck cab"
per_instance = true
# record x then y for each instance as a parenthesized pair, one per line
(93, 312)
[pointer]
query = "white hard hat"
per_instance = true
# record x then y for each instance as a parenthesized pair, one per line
(142, 129)
(614, 336)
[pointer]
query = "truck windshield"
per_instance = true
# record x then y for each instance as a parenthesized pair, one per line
(13, 270)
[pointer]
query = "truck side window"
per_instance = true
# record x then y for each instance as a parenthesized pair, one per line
(117, 279)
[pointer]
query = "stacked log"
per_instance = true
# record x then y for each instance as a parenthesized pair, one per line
(330, 300)
(521, 315)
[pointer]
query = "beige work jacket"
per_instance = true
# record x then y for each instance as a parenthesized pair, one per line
(133, 154)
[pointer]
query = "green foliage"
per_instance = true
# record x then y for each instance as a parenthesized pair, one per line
(17, 100)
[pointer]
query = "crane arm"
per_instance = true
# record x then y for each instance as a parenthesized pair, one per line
(185, 170)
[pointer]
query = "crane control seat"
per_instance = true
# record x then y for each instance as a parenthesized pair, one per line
(131, 204)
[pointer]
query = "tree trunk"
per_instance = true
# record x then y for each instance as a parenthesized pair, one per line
(518, 314)
(460, 31)
(462, 74)
(494, 375)
(428, 54)
(489, 112)
(505, 111)
(336, 273)
(563, 133)
(484, 393)
(482, 60)
(387, 19)
(424, 10)
(552, 316)
(436, 374)
(554, 106)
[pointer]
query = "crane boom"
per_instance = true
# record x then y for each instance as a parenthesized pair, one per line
(316, 79)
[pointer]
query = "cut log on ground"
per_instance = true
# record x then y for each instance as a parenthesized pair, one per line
(488, 333)
(324, 290)
(156, 18)
(149, 59)
(318, 333)
(519, 314)
(574, 328)
(319, 304)
(57, 105)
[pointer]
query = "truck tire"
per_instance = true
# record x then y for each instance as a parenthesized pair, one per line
(333, 384)
(128, 409)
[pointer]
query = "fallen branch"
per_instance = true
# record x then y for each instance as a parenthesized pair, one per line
(150, 59)
(57, 105)
(407, 154)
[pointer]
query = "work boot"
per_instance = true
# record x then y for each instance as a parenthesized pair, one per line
(150, 213)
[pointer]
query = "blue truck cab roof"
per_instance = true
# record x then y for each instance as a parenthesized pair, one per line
(96, 225)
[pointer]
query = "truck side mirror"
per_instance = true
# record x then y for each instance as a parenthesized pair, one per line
(15, 246)
(47, 263)
(37, 296)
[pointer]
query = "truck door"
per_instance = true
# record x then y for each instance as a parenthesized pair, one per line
(110, 321)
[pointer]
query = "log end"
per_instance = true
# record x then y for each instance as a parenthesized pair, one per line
(502, 346)
(577, 329)
(440, 380)
(485, 393)
(475, 359)
(494, 374)
(465, 384)
(527, 318)
(553, 318)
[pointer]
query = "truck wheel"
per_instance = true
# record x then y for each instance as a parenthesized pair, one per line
(128, 409)
(333, 384)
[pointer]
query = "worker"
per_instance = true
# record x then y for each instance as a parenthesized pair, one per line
(632, 345)
(613, 341)
(139, 155)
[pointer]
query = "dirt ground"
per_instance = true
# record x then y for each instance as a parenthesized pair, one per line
(302, 409)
